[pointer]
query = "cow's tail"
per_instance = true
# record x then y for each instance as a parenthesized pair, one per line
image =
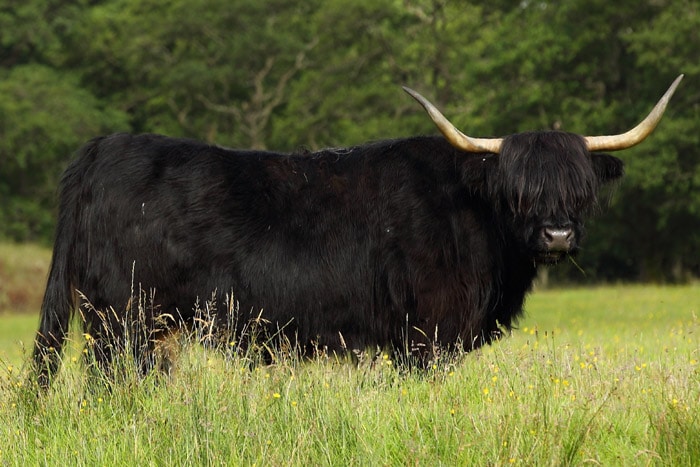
(59, 299)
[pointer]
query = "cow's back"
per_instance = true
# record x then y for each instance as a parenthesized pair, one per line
(182, 219)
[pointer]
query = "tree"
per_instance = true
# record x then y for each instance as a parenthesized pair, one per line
(45, 115)
(351, 91)
(206, 68)
(664, 175)
(281, 74)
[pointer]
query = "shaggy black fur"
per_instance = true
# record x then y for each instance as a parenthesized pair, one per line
(395, 242)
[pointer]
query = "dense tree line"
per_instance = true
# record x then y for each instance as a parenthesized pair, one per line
(284, 74)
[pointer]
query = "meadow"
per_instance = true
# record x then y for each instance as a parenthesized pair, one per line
(603, 376)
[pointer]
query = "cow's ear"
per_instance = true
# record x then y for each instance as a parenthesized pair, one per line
(607, 167)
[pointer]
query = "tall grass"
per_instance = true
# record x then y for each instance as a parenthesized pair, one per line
(603, 376)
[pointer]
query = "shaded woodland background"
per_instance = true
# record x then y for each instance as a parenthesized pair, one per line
(285, 74)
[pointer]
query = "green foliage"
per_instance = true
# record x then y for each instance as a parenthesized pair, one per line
(665, 173)
(562, 390)
(287, 74)
(44, 116)
(209, 69)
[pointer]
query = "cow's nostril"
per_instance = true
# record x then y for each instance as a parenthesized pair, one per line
(558, 239)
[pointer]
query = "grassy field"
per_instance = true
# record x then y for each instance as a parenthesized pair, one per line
(604, 376)
(607, 375)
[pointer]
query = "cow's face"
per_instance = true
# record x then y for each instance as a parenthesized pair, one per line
(546, 184)
(548, 180)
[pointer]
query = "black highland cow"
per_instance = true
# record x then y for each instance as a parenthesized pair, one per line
(403, 244)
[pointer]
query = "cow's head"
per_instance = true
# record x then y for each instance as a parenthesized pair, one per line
(545, 182)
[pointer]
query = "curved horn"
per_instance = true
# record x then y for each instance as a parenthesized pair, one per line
(453, 135)
(637, 134)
